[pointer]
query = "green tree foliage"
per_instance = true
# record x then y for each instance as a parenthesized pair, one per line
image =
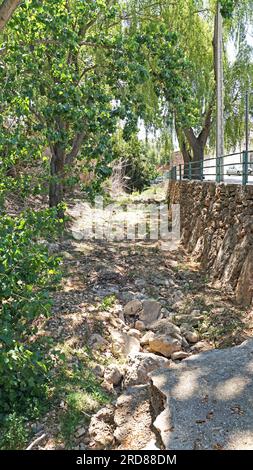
(194, 22)
(72, 70)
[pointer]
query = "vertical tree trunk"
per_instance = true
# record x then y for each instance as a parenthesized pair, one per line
(56, 186)
(198, 156)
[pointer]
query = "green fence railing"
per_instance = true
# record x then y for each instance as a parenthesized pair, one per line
(238, 165)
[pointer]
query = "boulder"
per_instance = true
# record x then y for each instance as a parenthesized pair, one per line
(133, 308)
(97, 342)
(179, 355)
(113, 375)
(191, 336)
(139, 325)
(123, 344)
(165, 327)
(133, 419)
(140, 365)
(164, 344)
(101, 428)
(135, 333)
(147, 337)
(151, 311)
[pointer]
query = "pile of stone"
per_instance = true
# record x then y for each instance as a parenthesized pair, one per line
(141, 343)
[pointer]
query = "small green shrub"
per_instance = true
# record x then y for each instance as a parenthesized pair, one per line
(14, 434)
(23, 378)
(27, 273)
(108, 302)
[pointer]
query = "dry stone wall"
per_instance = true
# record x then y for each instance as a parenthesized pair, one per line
(217, 228)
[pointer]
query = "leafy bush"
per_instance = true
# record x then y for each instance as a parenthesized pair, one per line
(26, 273)
(138, 169)
(15, 433)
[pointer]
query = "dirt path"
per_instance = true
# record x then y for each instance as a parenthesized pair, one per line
(100, 279)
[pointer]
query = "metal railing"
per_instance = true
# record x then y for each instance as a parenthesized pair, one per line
(234, 167)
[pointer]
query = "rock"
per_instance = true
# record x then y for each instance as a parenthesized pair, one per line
(151, 311)
(133, 419)
(179, 355)
(147, 337)
(133, 308)
(108, 387)
(178, 306)
(101, 428)
(135, 333)
(140, 325)
(97, 342)
(164, 344)
(123, 344)
(208, 401)
(191, 336)
(165, 327)
(140, 283)
(176, 297)
(140, 365)
(164, 338)
(106, 414)
(166, 313)
(82, 446)
(80, 432)
(185, 343)
(113, 375)
(186, 327)
(201, 346)
(98, 370)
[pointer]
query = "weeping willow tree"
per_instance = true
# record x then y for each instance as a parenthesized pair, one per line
(193, 21)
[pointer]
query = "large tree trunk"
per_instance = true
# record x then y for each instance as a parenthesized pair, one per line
(7, 9)
(56, 186)
(193, 147)
(58, 163)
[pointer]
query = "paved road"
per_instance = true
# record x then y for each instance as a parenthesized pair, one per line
(230, 179)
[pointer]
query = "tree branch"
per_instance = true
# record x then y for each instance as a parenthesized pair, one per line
(7, 9)
(192, 139)
(204, 134)
(77, 143)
